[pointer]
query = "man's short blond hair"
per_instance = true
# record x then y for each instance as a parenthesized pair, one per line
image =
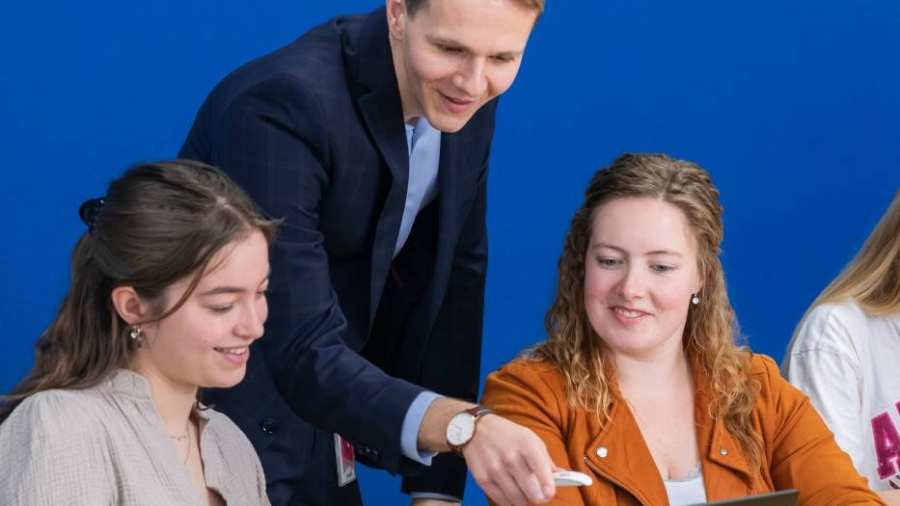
(413, 6)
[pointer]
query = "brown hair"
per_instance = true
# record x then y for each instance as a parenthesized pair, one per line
(711, 326)
(872, 278)
(158, 223)
(413, 6)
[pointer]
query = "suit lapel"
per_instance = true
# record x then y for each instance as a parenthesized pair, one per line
(385, 124)
(370, 64)
(457, 177)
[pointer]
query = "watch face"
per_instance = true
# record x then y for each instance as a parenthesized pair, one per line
(460, 429)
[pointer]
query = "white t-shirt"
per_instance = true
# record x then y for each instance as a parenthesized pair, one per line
(848, 362)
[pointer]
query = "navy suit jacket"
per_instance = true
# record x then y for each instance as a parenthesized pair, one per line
(314, 132)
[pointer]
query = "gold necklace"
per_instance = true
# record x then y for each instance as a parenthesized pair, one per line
(183, 437)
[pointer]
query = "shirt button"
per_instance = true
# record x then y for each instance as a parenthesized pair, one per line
(602, 452)
(723, 452)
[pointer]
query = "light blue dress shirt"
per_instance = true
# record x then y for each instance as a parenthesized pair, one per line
(423, 143)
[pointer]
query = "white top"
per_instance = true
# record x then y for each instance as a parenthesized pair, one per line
(107, 445)
(848, 362)
(687, 491)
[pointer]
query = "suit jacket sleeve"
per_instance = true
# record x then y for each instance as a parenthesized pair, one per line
(272, 141)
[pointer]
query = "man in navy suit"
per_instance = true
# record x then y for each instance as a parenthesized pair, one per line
(370, 136)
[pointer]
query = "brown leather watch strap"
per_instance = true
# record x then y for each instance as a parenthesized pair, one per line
(478, 411)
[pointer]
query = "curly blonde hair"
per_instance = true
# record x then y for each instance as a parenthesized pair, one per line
(709, 334)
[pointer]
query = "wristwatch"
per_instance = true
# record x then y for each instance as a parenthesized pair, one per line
(461, 428)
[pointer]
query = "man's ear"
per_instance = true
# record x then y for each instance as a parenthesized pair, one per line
(396, 18)
(129, 305)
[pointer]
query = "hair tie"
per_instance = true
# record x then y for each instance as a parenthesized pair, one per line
(89, 211)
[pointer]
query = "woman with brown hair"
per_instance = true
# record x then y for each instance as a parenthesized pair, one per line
(640, 384)
(167, 293)
(845, 355)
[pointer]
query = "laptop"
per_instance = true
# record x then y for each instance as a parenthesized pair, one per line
(780, 498)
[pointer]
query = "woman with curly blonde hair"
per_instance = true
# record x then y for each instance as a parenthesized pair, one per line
(640, 384)
(845, 355)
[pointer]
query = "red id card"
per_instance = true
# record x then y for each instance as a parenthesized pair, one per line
(346, 460)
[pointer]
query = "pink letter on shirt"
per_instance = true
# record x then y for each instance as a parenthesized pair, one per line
(887, 444)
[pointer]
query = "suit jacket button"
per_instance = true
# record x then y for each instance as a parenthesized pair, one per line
(602, 452)
(268, 426)
(723, 452)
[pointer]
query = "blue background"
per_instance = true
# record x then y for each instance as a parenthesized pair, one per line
(792, 106)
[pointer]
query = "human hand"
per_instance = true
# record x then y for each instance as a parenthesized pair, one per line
(510, 463)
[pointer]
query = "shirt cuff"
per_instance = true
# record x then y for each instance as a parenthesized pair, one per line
(434, 495)
(412, 422)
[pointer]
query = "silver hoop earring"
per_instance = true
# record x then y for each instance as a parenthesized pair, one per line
(695, 299)
(136, 335)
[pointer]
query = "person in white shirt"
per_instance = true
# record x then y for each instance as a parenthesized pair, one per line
(845, 354)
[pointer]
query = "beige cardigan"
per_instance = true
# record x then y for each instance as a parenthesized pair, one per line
(106, 445)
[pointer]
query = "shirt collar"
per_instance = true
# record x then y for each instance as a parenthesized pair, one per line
(131, 384)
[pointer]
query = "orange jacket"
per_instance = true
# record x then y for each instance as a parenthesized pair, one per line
(799, 451)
